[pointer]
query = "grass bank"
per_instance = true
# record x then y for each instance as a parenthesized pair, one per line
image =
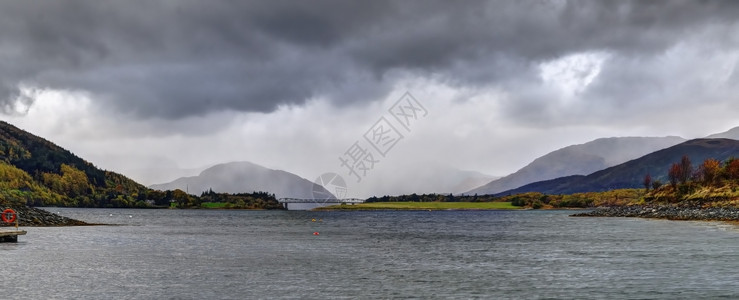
(423, 206)
(215, 205)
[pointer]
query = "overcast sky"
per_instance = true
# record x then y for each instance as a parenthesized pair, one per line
(150, 87)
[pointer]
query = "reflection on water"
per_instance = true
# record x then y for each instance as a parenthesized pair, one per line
(173, 254)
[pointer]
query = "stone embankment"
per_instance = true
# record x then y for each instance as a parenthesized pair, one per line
(665, 212)
(28, 216)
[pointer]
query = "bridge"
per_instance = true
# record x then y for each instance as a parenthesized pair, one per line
(332, 201)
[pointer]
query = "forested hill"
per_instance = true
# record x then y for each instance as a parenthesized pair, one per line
(34, 171)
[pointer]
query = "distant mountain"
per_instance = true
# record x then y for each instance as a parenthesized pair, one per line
(579, 160)
(471, 180)
(421, 178)
(35, 171)
(146, 169)
(631, 174)
(730, 134)
(245, 177)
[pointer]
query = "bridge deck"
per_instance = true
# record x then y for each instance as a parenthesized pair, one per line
(295, 200)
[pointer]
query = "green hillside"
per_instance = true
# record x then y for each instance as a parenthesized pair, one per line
(36, 172)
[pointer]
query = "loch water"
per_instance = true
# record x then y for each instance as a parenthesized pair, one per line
(230, 254)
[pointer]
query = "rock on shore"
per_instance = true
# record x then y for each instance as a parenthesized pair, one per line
(34, 217)
(665, 212)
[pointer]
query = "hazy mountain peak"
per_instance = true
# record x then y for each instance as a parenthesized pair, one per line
(580, 159)
(616, 150)
(631, 173)
(729, 134)
(244, 177)
(237, 166)
(423, 177)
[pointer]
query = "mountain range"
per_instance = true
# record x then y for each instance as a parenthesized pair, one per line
(631, 174)
(245, 177)
(35, 171)
(730, 134)
(423, 178)
(233, 177)
(580, 159)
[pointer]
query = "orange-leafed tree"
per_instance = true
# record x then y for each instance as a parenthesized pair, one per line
(709, 170)
(674, 174)
(686, 169)
(647, 182)
(732, 169)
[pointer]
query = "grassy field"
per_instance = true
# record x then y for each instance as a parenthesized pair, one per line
(423, 206)
(213, 204)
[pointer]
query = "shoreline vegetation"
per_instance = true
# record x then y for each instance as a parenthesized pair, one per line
(708, 192)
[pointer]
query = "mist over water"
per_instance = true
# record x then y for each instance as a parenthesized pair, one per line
(187, 254)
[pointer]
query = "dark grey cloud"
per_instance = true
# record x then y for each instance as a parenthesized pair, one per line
(174, 59)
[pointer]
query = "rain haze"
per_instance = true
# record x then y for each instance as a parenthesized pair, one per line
(156, 90)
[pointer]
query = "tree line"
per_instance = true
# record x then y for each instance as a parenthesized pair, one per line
(683, 175)
(73, 188)
(433, 198)
(711, 181)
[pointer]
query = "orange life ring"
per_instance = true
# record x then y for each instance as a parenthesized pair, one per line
(9, 216)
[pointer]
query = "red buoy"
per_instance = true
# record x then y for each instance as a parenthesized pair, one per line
(8, 216)
(316, 233)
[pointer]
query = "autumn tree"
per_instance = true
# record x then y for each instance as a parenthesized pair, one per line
(180, 197)
(732, 169)
(647, 182)
(709, 170)
(74, 181)
(674, 174)
(686, 169)
(53, 182)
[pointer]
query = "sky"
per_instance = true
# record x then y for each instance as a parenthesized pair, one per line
(160, 89)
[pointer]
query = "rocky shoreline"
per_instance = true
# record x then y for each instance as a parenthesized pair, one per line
(665, 212)
(34, 217)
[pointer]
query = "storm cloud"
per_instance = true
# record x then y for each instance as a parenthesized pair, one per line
(175, 59)
(158, 87)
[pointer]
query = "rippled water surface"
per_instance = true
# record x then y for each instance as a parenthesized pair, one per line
(192, 254)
